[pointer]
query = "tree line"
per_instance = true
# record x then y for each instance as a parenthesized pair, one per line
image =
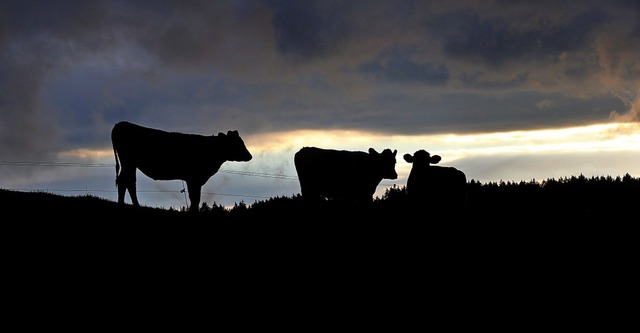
(573, 197)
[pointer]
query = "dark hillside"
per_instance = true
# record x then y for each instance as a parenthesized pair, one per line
(563, 205)
(574, 237)
(574, 198)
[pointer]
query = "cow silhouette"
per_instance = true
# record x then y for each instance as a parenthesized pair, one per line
(434, 186)
(162, 155)
(344, 175)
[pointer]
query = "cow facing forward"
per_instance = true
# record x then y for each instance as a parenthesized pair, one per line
(341, 174)
(169, 155)
(434, 186)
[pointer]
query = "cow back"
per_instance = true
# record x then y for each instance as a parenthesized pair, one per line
(163, 155)
(437, 187)
(342, 174)
(435, 180)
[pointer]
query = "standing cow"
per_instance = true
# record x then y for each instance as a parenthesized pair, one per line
(435, 186)
(341, 174)
(169, 155)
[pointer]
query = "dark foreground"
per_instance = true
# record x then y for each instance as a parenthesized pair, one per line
(488, 265)
(529, 225)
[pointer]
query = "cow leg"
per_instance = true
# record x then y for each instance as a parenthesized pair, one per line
(133, 194)
(122, 189)
(127, 181)
(194, 196)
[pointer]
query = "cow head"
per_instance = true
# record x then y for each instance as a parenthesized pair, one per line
(234, 147)
(422, 157)
(386, 162)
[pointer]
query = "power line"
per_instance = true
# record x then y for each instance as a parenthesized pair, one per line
(51, 190)
(107, 165)
(57, 164)
(260, 174)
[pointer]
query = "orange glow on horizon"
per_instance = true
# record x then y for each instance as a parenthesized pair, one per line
(588, 139)
(585, 139)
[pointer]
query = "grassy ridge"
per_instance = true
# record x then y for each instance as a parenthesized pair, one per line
(573, 237)
(576, 197)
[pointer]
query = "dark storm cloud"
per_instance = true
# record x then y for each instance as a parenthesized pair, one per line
(23, 128)
(70, 69)
(397, 65)
(496, 40)
(310, 29)
(38, 36)
(475, 80)
(481, 112)
(57, 18)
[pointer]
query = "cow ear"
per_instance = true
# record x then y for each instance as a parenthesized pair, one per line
(220, 134)
(408, 158)
(232, 133)
(395, 152)
(435, 159)
(373, 151)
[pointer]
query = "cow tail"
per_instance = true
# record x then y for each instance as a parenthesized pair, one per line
(115, 154)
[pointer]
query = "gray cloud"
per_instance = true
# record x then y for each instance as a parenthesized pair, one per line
(494, 42)
(71, 69)
(310, 29)
(397, 65)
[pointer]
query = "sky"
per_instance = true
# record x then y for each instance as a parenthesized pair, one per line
(502, 90)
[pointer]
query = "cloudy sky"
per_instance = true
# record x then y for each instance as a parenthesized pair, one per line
(503, 90)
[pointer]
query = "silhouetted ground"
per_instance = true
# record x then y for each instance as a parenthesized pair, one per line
(511, 214)
(513, 250)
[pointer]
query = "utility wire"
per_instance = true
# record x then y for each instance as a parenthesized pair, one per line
(57, 164)
(107, 165)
